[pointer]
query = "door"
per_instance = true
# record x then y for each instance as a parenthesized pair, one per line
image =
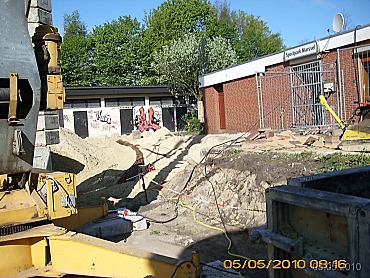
(180, 111)
(80, 124)
(168, 118)
(126, 118)
(221, 107)
(365, 79)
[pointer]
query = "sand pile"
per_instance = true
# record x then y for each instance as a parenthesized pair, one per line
(96, 155)
(101, 162)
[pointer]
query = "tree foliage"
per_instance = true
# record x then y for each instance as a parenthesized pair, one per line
(116, 53)
(249, 35)
(124, 51)
(182, 61)
(255, 39)
(73, 25)
(75, 52)
(175, 18)
(75, 56)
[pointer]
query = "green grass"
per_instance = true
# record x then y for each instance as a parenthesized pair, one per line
(233, 152)
(333, 162)
(301, 155)
(336, 162)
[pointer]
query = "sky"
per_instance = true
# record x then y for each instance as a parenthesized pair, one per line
(297, 21)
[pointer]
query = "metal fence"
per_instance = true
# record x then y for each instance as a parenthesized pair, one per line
(290, 99)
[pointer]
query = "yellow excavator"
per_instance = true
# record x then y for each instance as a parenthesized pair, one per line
(38, 212)
(356, 132)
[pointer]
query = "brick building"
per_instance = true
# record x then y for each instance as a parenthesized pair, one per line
(280, 91)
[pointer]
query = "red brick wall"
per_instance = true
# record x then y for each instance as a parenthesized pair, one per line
(347, 65)
(211, 110)
(241, 106)
(241, 98)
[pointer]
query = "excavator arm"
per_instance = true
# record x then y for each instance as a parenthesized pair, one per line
(38, 207)
(323, 101)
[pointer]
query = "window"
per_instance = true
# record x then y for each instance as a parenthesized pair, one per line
(124, 102)
(365, 78)
(154, 101)
(138, 101)
(167, 100)
(79, 103)
(116, 102)
(93, 103)
(180, 100)
(82, 103)
(111, 102)
(68, 104)
(192, 100)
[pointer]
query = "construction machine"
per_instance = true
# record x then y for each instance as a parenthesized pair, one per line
(356, 132)
(38, 211)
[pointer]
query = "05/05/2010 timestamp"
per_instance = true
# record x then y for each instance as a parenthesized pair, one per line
(320, 265)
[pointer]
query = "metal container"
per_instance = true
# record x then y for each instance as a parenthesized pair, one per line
(319, 226)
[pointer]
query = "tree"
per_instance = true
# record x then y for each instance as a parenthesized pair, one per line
(122, 52)
(249, 35)
(180, 63)
(75, 55)
(171, 21)
(116, 57)
(347, 21)
(175, 18)
(254, 37)
(73, 25)
(221, 23)
(75, 52)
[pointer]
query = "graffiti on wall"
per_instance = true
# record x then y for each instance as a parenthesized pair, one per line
(103, 121)
(104, 118)
(67, 119)
(148, 118)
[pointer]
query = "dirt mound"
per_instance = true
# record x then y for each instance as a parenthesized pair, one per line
(237, 181)
(96, 155)
(102, 163)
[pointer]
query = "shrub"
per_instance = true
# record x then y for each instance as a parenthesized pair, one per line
(194, 125)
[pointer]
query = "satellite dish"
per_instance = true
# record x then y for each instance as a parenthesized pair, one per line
(338, 23)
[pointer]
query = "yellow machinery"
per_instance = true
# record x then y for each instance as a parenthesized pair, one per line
(38, 212)
(356, 133)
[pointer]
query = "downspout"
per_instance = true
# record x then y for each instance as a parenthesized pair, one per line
(339, 77)
(355, 58)
(259, 97)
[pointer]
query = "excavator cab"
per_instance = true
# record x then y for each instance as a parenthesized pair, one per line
(358, 129)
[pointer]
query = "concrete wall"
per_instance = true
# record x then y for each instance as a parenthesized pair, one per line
(106, 120)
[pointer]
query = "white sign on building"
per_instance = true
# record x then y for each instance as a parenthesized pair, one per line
(301, 51)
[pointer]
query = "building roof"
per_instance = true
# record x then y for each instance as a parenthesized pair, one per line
(116, 91)
(339, 40)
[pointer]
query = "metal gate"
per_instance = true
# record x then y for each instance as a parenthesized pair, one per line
(290, 99)
(305, 86)
(274, 101)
